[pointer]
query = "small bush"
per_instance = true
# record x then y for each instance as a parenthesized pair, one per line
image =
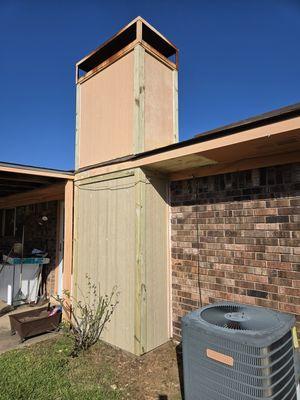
(87, 317)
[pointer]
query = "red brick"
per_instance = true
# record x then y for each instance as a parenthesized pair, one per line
(240, 250)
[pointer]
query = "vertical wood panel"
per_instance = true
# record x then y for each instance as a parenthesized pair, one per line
(106, 249)
(106, 114)
(157, 280)
(159, 107)
(121, 239)
(77, 128)
(140, 267)
(139, 100)
(175, 106)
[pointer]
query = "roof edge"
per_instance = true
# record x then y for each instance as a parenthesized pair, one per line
(259, 120)
(34, 168)
(277, 115)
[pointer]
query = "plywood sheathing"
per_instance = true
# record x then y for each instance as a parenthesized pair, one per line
(159, 114)
(128, 104)
(157, 263)
(129, 107)
(121, 239)
(106, 113)
(104, 237)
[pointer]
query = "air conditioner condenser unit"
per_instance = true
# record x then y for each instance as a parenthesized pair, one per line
(238, 352)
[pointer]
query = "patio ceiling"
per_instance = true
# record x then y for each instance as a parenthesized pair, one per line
(20, 184)
(12, 183)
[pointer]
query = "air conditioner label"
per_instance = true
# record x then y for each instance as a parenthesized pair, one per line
(222, 358)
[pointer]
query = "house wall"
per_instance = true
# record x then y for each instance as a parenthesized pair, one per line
(120, 239)
(157, 273)
(236, 237)
(105, 249)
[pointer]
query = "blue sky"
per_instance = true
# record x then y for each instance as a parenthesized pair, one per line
(238, 58)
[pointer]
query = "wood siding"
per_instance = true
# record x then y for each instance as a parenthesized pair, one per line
(126, 108)
(105, 117)
(105, 249)
(157, 271)
(159, 112)
(121, 240)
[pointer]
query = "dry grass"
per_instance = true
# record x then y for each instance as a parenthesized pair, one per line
(46, 372)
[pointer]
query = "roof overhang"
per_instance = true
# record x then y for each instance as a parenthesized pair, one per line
(36, 171)
(271, 144)
(21, 185)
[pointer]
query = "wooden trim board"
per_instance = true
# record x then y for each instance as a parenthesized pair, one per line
(139, 100)
(140, 334)
(68, 236)
(35, 171)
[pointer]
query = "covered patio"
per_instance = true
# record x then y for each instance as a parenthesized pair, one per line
(36, 208)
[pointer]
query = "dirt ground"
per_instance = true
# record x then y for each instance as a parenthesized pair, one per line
(156, 375)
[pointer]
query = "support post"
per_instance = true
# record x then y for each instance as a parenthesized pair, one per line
(68, 236)
(140, 334)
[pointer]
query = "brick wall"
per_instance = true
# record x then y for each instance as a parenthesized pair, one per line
(236, 237)
(42, 237)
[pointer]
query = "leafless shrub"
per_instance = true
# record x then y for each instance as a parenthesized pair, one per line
(87, 317)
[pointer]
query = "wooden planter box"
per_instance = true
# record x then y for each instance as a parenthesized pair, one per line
(34, 322)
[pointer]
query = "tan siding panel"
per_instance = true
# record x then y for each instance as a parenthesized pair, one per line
(106, 114)
(156, 263)
(106, 249)
(159, 87)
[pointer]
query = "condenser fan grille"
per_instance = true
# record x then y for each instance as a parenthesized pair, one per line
(238, 317)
